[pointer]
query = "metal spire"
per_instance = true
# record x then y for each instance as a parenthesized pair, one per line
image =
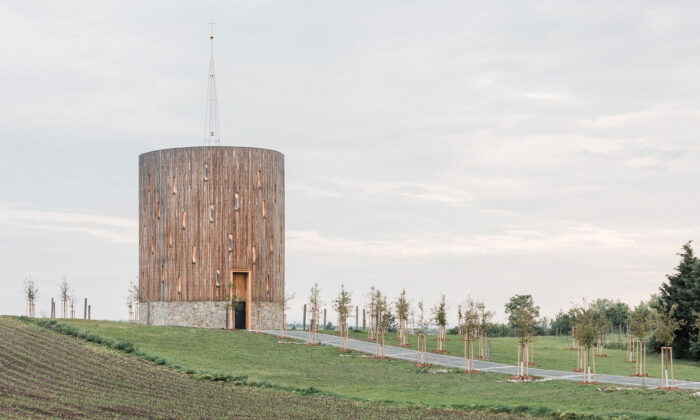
(211, 114)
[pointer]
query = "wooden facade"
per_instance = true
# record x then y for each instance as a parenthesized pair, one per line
(209, 216)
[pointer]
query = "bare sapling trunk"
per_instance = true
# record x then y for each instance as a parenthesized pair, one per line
(666, 366)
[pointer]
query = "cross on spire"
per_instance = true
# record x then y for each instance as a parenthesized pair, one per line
(211, 113)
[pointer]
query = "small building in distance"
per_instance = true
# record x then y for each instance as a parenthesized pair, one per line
(211, 226)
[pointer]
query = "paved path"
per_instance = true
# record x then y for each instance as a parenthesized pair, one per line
(483, 366)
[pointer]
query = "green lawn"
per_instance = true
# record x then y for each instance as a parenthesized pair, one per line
(552, 353)
(357, 376)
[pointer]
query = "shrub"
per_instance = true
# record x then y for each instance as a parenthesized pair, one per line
(124, 346)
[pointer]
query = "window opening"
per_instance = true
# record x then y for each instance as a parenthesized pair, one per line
(179, 284)
(206, 172)
(194, 255)
(267, 284)
(275, 194)
(255, 259)
(236, 203)
(170, 238)
(211, 213)
(218, 278)
(259, 179)
(158, 210)
(263, 208)
(272, 244)
(184, 215)
(174, 185)
(230, 242)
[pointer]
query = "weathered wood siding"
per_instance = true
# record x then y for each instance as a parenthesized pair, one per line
(166, 248)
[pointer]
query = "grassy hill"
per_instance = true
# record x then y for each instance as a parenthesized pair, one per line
(44, 374)
(356, 376)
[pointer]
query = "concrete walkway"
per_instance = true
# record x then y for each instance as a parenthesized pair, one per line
(483, 366)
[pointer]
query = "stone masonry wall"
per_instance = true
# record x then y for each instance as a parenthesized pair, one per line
(206, 314)
(270, 314)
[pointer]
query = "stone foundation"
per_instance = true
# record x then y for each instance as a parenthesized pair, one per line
(206, 314)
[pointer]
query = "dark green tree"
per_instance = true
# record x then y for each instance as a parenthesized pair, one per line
(683, 289)
(562, 323)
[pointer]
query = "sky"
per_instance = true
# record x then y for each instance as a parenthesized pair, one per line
(481, 149)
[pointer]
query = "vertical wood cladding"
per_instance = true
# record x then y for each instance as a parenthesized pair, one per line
(186, 214)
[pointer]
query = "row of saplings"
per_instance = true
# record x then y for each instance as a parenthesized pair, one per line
(473, 322)
(588, 339)
(588, 335)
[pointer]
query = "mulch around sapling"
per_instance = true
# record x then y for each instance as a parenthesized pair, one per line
(521, 378)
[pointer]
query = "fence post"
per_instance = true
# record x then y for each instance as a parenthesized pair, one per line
(357, 316)
(85, 309)
(89, 307)
(324, 319)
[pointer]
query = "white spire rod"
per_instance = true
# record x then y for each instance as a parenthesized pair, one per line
(211, 114)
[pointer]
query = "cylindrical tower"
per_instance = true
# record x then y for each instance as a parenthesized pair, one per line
(211, 225)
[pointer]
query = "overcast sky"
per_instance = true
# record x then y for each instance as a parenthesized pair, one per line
(471, 148)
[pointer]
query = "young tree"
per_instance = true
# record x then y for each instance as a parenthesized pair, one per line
(484, 322)
(422, 331)
(72, 299)
(587, 328)
(470, 319)
(640, 325)
(314, 308)
(683, 289)
(382, 323)
(439, 313)
(459, 320)
(665, 333)
(341, 305)
(286, 305)
(602, 324)
(372, 313)
(133, 298)
(31, 291)
(522, 315)
(403, 308)
(64, 292)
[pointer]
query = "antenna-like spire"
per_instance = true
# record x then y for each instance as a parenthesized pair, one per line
(211, 114)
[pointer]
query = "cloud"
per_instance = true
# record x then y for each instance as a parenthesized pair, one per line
(313, 191)
(114, 229)
(437, 192)
(545, 238)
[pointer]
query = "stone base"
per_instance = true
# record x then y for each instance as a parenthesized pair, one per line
(206, 314)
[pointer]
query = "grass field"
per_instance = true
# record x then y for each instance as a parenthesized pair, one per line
(47, 375)
(551, 353)
(357, 376)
